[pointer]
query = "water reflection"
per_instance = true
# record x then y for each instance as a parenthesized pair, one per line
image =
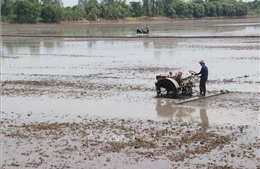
(204, 119)
(166, 108)
(33, 45)
(146, 44)
(36, 46)
(91, 44)
(88, 32)
(68, 30)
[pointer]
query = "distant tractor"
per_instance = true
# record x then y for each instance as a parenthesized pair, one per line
(143, 31)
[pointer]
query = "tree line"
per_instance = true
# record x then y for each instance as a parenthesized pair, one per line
(52, 11)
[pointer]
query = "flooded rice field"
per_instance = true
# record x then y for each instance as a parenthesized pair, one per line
(83, 95)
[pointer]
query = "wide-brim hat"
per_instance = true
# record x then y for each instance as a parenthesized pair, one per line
(202, 61)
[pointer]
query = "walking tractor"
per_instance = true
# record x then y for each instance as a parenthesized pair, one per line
(175, 86)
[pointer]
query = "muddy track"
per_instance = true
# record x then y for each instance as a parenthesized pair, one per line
(94, 139)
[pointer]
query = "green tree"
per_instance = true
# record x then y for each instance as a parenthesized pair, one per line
(242, 9)
(253, 7)
(7, 11)
(170, 10)
(147, 9)
(78, 13)
(92, 9)
(159, 10)
(124, 9)
(228, 9)
(34, 1)
(26, 12)
(209, 9)
(182, 9)
(136, 9)
(199, 10)
(67, 14)
(108, 9)
(190, 7)
(51, 13)
(53, 2)
(74, 13)
(114, 10)
(152, 2)
(7, 7)
(219, 8)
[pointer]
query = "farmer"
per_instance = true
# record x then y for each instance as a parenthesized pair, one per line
(147, 29)
(203, 78)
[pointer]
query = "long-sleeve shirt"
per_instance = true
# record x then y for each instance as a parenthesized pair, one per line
(203, 72)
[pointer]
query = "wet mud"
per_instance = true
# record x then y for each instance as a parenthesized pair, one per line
(125, 143)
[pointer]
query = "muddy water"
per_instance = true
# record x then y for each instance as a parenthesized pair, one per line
(123, 72)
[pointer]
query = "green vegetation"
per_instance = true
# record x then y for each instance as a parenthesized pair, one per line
(254, 7)
(52, 11)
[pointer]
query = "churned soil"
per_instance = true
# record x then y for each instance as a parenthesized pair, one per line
(124, 143)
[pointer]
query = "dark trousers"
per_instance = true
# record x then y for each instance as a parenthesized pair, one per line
(203, 87)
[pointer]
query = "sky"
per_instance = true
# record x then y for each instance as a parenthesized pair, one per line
(69, 2)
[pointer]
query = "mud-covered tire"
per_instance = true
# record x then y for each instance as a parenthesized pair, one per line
(139, 31)
(166, 88)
